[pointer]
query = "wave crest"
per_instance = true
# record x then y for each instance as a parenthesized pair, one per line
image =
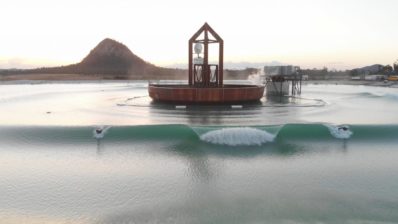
(238, 136)
(99, 132)
(340, 132)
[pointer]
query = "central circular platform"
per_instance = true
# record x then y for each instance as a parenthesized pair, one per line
(192, 94)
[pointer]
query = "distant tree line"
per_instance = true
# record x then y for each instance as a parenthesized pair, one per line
(325, 73)
(376, 70)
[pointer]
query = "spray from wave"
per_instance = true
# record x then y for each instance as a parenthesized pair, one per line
(238, 136)
(340, 132)
(99, 132)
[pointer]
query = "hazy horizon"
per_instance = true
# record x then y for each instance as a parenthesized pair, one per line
(336, 34)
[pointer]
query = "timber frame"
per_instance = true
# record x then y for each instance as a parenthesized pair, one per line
(206, 75)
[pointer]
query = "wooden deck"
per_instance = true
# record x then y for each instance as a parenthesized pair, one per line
(191, 94)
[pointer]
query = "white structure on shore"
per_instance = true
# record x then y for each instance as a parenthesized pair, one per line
(279, 79)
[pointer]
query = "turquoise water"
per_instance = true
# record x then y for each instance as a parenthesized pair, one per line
(279, 161)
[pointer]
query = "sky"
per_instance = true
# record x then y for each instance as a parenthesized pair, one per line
(339, 34)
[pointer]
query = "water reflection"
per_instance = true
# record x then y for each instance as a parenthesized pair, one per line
(199, 167)
(100, 147)
(221, 195)
(345, 145)
(269, 110)
(189, 145)
(206, 114)
(281, 148)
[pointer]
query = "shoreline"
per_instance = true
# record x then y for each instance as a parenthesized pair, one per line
(38, 82)
(391, 84)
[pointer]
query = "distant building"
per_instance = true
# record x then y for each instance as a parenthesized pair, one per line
(369, 70)
(282, 80)
(377, 77)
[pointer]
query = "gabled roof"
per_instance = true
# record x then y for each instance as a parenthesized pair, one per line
(206, 27)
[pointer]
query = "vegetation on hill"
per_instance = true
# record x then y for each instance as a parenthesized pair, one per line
(110, 60)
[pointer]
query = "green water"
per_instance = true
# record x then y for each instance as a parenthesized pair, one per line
(276, 162)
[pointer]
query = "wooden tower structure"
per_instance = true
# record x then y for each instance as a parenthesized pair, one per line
(201, 73)
(205, 79)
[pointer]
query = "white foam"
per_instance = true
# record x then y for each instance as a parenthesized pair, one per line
(340, 132)
(236, 106)
(238, 136)
(181, 107)
(103, 129)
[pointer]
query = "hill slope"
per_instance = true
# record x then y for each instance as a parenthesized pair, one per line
(108, 60)
(112, 57)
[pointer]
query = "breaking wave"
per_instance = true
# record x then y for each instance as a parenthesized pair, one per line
(219, 135)
(238, 136)
(341, 131)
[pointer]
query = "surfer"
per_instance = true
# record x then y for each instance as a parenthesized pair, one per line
(342, 128)
(340, 131)
(344, 133)
(99, 132)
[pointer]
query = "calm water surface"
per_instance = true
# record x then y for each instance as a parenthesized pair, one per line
(279, 161)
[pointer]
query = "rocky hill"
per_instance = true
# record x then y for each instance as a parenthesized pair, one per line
(112, 57)
(108, 60)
